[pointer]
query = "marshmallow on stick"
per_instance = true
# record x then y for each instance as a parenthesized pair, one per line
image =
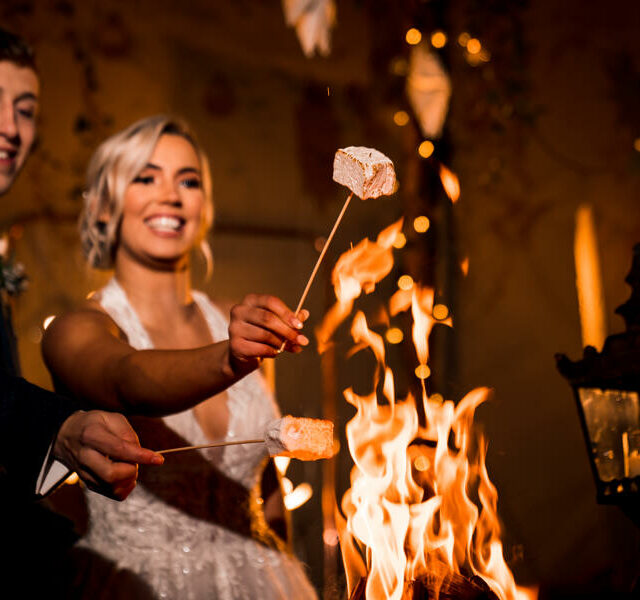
(297, 437)
(368, 174)
(365, 171)
(300, 437)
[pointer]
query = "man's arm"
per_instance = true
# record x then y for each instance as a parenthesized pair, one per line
(101, 447)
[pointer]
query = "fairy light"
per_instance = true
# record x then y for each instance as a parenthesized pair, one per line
(474, 46)
(400, 241)
(47, 321)
(401, 118)
(413, 36)
(421, 224)
(72, 479)
(394, 335)
(282, 463)
(438, 39)
(405, 282)
(463, 39)
(426, 148)
(439, 398)
(422, 371)
(440, 312)
(420, 463)
(636, 144)
(330, 536)
(296, 498)
(287, 485)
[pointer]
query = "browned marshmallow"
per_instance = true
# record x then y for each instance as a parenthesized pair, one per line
(365, 171)
(300, 437)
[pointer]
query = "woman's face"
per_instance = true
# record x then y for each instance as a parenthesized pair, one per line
(163, 206)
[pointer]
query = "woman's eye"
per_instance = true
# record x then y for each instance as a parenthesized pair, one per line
(191, 183)
(144, 179)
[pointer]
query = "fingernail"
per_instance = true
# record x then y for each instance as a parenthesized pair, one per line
(297, 323)
(158, 459)
(302, 340)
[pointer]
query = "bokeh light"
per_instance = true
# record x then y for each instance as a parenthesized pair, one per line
(426, 148)
(405, 282)
(421, 224)
(413, 36)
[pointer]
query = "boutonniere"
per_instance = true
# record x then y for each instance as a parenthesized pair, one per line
(13, 279)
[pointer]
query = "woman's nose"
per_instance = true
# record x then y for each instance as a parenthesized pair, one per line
(171, 196)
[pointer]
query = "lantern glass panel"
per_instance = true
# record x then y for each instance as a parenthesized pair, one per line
(613, 423)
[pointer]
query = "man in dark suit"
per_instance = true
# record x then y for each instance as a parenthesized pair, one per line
(43, 436)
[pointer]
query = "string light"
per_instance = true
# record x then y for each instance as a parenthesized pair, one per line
(421, 224)
(422, 371)
(401, 118)
(298, 497)
(282, 463)
(439, 398)
(636, 144)
(413, 36)
(394, 335)
(463, 39)
(440, 312)
(426, 148)
(400, 241)
(405, 282)
(438, 39)
(474, 46)
(421, 463)
(330, 536)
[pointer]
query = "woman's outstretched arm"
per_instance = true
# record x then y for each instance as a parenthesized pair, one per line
(90, 359)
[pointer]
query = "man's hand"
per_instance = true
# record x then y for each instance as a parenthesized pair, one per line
(258, 328)
(103, 449)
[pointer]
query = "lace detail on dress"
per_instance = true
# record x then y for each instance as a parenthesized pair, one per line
(194, 529)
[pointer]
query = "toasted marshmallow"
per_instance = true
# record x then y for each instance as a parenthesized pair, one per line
(365, 171)
(300, 437)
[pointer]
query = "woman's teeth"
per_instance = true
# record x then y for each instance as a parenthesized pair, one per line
(164, 223)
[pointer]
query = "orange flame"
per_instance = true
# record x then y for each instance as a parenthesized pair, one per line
(358, 269)
(421, 504)
(450, 183)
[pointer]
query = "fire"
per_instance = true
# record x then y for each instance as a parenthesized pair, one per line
(450, 183)
(421, 506)
(358, 269)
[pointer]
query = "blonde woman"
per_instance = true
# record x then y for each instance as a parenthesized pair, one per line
(149, 346)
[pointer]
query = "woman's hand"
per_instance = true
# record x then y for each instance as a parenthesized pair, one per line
(259, 327)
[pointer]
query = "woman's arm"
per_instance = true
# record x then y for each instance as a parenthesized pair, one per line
(87, 356)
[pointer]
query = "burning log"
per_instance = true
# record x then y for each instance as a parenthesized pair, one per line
(440, 584)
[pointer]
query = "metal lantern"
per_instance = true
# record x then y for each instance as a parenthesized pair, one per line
(606, 386)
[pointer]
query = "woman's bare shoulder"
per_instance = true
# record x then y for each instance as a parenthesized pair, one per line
(89, 320)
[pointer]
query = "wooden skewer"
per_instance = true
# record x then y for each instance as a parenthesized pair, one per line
(324, 250)
(211, 445)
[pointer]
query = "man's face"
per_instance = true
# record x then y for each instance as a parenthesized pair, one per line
(19, 88)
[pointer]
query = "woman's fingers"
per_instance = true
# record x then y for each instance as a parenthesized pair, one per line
(260, 325)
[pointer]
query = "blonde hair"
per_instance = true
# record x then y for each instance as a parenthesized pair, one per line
(113, 166)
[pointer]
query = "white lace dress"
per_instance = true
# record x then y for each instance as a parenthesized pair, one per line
(192, 529)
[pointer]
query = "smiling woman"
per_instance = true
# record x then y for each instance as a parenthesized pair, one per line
(148, 345)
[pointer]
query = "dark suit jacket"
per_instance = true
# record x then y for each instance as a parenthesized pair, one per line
(34, 539)
(29, 419)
